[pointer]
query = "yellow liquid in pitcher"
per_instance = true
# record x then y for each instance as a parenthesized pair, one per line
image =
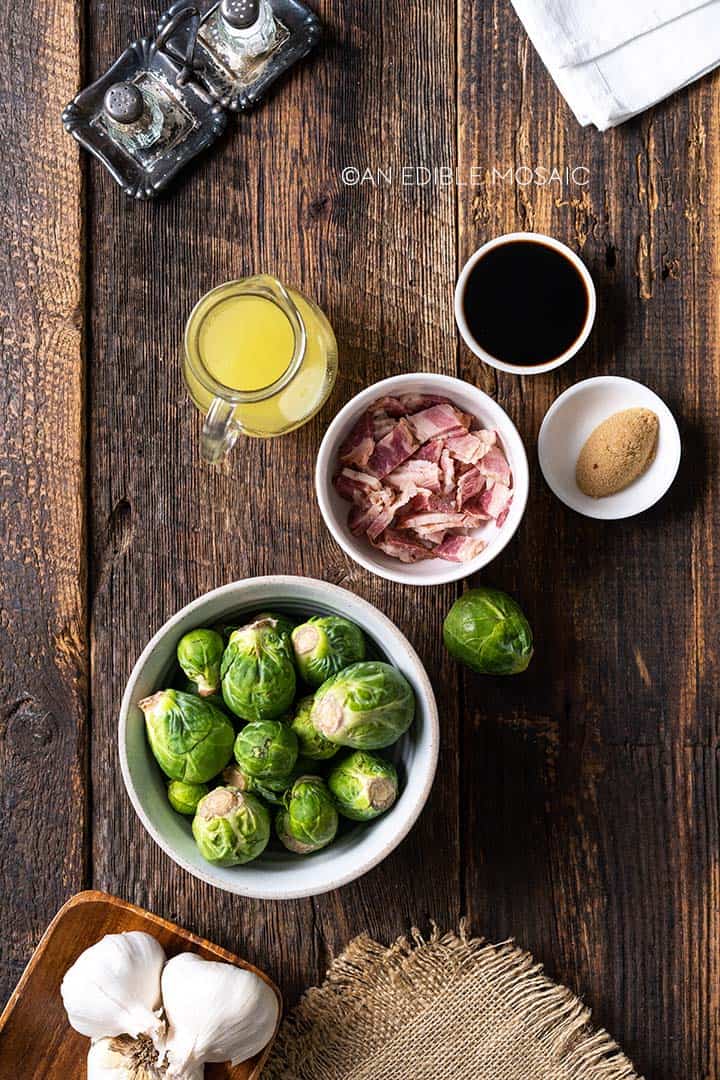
(246, 343)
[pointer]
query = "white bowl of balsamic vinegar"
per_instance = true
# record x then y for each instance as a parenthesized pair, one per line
(525, 303)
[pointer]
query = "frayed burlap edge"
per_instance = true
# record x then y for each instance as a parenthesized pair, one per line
(323, 1036)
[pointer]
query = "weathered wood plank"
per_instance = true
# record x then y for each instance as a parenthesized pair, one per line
(43, 655)
(380, 262)
(593, 811)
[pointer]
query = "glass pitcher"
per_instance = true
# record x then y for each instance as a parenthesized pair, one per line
(260, 360)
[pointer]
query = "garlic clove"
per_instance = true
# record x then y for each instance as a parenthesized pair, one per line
(215, 1012)
(113, 988)
(124, 1058)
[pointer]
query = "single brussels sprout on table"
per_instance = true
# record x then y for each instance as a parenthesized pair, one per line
(199, 654)
(312, 744)
(364, 786)
(267, 751)
(309, 819)
(324, 645)
(258, 675)
(185, 797)
(368, 706)
(231, 827)
(487, 630)
(190, 738)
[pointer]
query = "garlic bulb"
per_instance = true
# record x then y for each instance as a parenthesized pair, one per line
(124, 1058)
(113, 988)
(215, 1012)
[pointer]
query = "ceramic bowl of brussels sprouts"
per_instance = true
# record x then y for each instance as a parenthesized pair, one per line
(278, 737)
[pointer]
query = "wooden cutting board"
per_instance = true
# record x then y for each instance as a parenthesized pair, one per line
(36, 1039)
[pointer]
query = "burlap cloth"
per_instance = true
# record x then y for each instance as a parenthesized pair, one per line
(448, 1007)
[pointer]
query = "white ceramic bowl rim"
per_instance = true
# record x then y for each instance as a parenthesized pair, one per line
(451, 387)
(411, 801)
(545, 241)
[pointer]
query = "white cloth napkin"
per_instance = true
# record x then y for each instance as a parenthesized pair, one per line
(611, 59)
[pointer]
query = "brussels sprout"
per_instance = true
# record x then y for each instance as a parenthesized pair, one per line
(282, 625)
(486, 630)
(231, 827)
(324, 645)
(309, 820)
(258, 676)
(367, 706)
(189, 687)
(190, 738)
(199, 654)
(364, 786)
(185, 797)
(312, 744)
(272, 791)
(267, 751)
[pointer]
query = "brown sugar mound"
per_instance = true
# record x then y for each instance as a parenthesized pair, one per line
(617, 453)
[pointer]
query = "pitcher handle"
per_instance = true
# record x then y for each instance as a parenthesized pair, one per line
(220, 432)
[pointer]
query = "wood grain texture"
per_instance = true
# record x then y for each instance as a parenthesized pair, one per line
(594, 803)
(165, 528)
(43, 619)
(576, 807)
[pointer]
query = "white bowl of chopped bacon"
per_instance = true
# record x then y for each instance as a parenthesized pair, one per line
(422, 479)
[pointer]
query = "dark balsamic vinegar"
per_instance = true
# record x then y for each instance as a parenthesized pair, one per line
(525, 303)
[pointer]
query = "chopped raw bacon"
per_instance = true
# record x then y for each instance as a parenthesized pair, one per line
(438, 420)
(468, 448)
(350, 483)
(447, 466)
(415, 474)
(434, 520)
(387, 516)
(367, 510)
(401, 547)
(475, 507)
(460, 549)
(413, 403)
(391, 406)
(360, 443)
(494, 465)
(496, 500)
(470, 484)
(431, 451)
(423, 477)
(397, 446)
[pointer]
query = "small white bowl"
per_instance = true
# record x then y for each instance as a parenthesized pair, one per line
(545, 241)
(335, 509)
(573, 417)
(279, 875)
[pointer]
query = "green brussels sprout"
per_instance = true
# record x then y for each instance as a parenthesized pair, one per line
(312, 744)
(364, 786)
(367, 706)
(199, 654)
(267, 751)
(185, 797)
(282, 625)
(324, 645)
(189, 687)
(231, 827)
(258, 676)
(272, 791)
(309, 819)
(191, 739)
(486, 630)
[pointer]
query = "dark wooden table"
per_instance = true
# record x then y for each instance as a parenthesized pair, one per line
(576, 807)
